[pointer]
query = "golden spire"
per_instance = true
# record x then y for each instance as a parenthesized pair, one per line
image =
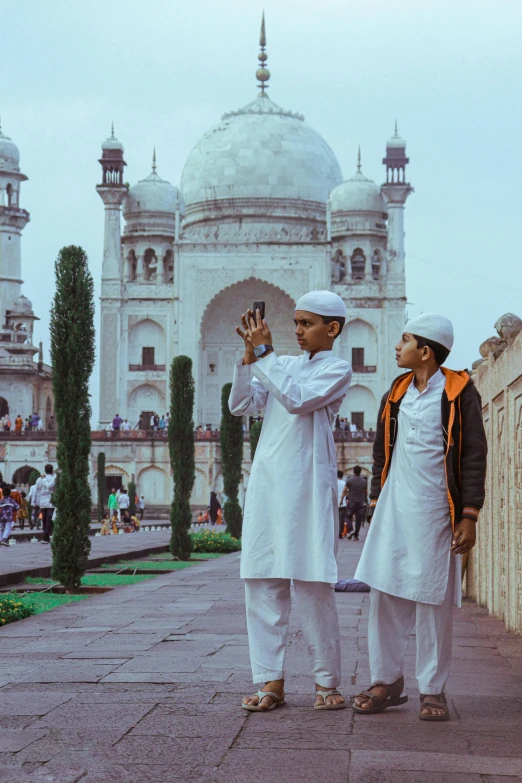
(262, 73)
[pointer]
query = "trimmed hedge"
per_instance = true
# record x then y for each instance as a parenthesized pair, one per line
(210, 541)
(13, 609)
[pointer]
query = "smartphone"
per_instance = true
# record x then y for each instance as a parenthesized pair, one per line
(259, 306)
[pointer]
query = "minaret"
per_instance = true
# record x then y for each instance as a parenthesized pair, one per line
(13, 220)
(112, 191)
(396, 190)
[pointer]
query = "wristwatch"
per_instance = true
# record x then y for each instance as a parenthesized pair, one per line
(261, 350)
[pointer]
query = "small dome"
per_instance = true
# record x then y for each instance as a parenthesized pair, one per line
(22, 306)
(358, 194)
(9, 154)
(152, 194)
(112, 144)
(396, 142)
(258, 153)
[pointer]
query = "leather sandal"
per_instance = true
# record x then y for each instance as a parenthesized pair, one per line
(426, 701)
(277, 701)
(325, 706)
(393, 699)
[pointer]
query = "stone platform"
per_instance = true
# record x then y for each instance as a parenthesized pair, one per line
(143, 685)
(18, 562)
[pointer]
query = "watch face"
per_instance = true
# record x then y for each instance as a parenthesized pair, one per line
(259, 350)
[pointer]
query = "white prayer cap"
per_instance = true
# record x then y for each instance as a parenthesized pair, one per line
(322, 303)
(432, 326)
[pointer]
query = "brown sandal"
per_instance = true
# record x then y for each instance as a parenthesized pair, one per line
(393, 699)
(442, 705)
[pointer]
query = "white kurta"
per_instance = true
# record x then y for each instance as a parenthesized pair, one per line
(290, 523)
(407, 550)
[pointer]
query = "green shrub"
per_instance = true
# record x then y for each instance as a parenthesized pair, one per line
(13, 609)
(210, 541)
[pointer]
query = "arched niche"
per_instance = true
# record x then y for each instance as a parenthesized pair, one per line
(358, 264)
(360, 400)
(200, 492)
(220, 346)
(147, 344)
(131, 266)
(153, 483)
(359, 345)
(146, 398)
(150, 265)
(21, 475)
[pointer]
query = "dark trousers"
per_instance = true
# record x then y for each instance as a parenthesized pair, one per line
(141, 513)
(47, 519)
(342, 519)
(358, 509)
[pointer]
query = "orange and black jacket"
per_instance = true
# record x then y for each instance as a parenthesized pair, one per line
(464, 442)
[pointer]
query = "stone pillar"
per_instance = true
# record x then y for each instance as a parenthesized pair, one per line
(140, 267)
(160, 276)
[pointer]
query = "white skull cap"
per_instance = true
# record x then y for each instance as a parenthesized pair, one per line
(432, 326)
(322, 303)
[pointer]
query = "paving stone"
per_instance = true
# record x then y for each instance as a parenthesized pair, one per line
(32, 703)
(242, 766)
(364, 760)
(12, 741)
(178, 724)
(104, 716)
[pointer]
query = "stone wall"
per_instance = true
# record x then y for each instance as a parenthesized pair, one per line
(494, 575)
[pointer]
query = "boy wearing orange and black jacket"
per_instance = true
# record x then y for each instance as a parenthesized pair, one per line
(427, 489)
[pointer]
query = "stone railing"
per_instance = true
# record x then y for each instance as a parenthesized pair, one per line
(494, 577)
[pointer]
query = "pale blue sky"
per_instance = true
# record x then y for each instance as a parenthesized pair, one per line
(449, 70)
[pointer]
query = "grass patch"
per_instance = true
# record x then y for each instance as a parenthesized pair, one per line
(150, 565)
(99, 580)
(44, 602)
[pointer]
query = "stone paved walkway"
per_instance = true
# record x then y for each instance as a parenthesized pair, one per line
(143, 685)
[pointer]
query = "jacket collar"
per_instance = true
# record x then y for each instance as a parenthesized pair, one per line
(456, 381)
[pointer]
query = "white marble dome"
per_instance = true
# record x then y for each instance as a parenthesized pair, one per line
(9, 154)
(358, 194)
(22, 306)
(112, 144)
(260, 152)
(152, 194)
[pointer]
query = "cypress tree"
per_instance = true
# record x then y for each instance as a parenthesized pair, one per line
(72, 354)
(182, 454)
(132, 497)
(231, 438)
(101, 485)
(255, 432)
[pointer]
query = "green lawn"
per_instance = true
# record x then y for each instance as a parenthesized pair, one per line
(99, 580)
(44, 602)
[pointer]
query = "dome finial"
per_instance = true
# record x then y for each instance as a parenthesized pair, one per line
(154, 160)
(262, 73)
(112, 130)
(396, 130)
(359, 159)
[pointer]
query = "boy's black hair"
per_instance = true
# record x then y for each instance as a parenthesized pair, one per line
(48, 469)
(340, 474)
(6, 491)
(328, 319)
(441, 353)
(357, 470)
(23, 495)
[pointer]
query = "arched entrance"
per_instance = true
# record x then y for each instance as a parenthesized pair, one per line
(220, 346)
(4, 407)
(21, 475)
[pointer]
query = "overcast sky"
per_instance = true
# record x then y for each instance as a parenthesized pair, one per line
(449, 70)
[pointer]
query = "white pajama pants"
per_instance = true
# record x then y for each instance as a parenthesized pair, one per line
(268, 603)
(390, 623)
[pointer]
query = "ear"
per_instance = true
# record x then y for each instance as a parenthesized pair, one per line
(333, 329)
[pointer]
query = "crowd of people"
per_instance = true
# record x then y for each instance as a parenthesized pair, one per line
(35, 507)
(32, 423)
(154, 422)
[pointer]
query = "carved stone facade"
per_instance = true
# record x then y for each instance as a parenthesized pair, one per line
(495, 567)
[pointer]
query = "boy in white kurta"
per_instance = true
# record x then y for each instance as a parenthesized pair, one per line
(290, 526)
(429, 472)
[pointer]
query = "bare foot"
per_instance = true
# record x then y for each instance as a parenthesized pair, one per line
(334, 699)
(365, 703)
(276, 686)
